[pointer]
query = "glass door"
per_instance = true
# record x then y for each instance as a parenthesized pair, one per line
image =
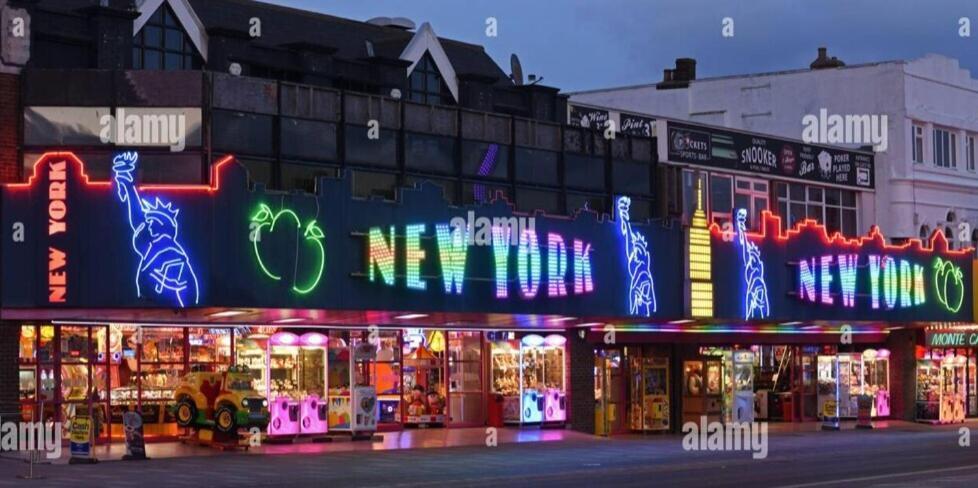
(609, 395)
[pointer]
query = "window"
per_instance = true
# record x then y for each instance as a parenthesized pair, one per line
(721, 198)
(752, 195)
(162, 44)
(918, 144)
(945, 148)
(834, 208)
(969, 152)
(425, 84)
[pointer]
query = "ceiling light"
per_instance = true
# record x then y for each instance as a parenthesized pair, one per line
(227, 313)
(289, 320)
(411, 316)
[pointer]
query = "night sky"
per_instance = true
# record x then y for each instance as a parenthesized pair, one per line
(588, 44)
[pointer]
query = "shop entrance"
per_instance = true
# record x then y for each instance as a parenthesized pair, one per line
(609, 392)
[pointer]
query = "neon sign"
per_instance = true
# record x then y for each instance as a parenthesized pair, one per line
(164, 266)
(532, 275)
(756, 305)
(949, 284)
(641, 288)
(265, 219)
(892, 283)
(57, 210)
(700, 261)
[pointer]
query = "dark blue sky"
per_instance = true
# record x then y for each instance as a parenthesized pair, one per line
(585, 44)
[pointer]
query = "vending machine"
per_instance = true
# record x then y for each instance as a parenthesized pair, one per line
(742, 376)
(363, 395)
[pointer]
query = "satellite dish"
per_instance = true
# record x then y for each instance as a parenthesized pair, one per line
(516, 69)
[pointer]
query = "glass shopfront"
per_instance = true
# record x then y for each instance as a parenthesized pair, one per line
(946, 385)
(105, 370)
(422, 376)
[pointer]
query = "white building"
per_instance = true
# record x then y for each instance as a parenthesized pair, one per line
(925, 179)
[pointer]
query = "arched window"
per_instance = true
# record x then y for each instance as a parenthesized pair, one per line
(950, 237)
(163, 44)
(425, 84)
(951, 217)
(924, 232)
(974, 238)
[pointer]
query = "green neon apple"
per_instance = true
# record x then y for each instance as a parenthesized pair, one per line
(949, 284)
(312, 234)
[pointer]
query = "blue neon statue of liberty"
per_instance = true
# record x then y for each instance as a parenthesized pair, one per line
(756, 304)
(641, 288)
(164, 266)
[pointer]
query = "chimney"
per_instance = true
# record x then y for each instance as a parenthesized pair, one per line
(823, 61)
(685, 69)
(678, 77)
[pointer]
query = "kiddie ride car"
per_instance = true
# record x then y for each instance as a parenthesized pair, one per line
(224, 401)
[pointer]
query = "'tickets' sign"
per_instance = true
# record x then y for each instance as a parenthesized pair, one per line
(804, 274)
(770, 156)
(952, 338)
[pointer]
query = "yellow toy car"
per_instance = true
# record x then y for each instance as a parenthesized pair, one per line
(225, 401)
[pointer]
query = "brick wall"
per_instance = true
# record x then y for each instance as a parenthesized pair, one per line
(903, 374)
(581, 378)
(9, 127)
(9, 394)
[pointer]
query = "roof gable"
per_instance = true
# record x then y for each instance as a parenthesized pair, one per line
(424, 41)
(185, 15)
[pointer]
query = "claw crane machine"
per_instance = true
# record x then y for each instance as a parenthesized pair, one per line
(650, 393)
(742, 383)
(352, 399)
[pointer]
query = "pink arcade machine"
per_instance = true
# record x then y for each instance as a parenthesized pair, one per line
(297, 384)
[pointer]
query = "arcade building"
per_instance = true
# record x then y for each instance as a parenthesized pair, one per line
(114, 290)
(487, 259)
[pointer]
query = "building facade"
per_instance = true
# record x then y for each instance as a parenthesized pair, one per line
(926, 177)
(365, 215)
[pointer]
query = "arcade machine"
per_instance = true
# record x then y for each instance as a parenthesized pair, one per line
(850, 383)
(532, 388)
(703, 390)
(363, 394)
(338, 395)
(424, 386)
(828, 387)
(555, 396)
(352, 399)
(650, 394)
(952, 389)
(742, 381)
(504, 379)
(876, 380)
(297, 384)
(386, 375)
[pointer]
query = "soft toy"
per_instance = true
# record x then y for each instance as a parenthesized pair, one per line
(416, 407)
(436, 404)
